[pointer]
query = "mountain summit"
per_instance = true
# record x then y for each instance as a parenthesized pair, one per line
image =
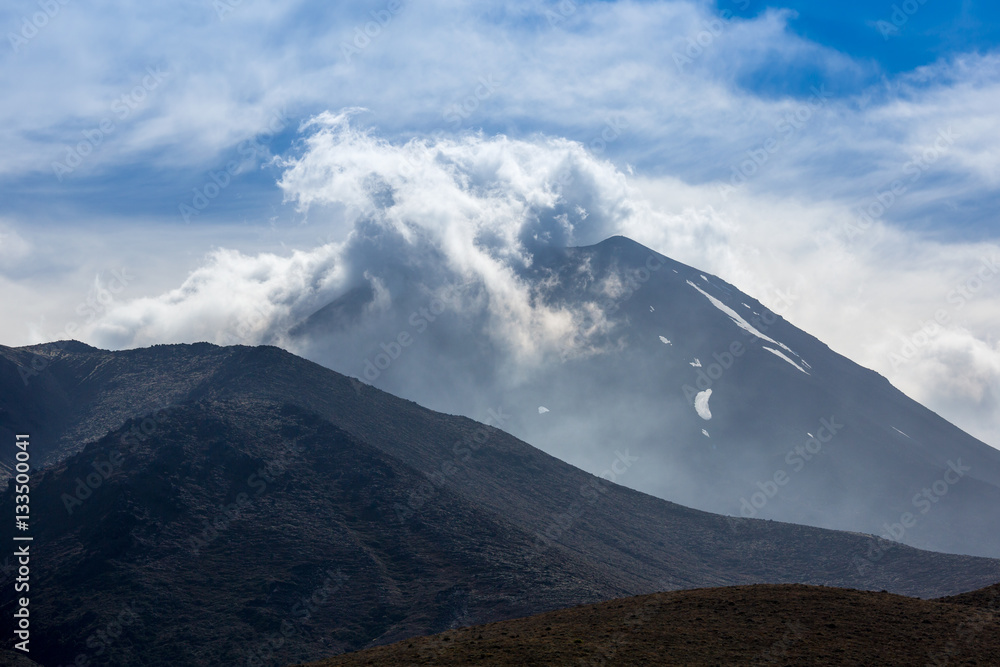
(729, 407)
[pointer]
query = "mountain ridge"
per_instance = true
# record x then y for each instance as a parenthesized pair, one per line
(432, 521)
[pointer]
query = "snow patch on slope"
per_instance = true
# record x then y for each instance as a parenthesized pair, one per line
(738, 319)
(785, 357)
(701, 404)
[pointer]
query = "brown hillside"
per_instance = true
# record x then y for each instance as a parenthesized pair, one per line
(986, 598)
(745, 625)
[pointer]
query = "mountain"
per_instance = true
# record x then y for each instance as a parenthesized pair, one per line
(730, 408)
(238, 505)
(744, 625)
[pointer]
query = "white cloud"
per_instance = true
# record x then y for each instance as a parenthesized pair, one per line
(476, 205)
(464, 211)
(607, 78)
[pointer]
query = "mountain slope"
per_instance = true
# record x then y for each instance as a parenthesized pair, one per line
(236, 520)
(270, 494)
(784, 428)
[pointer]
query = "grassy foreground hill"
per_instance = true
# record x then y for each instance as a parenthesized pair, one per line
(740, 625)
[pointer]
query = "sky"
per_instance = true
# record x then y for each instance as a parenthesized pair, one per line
(168, 171)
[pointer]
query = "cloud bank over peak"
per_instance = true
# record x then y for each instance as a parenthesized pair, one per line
(405, 222)
(456, 221)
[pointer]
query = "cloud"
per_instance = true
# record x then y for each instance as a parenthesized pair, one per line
(697, 136)
(953, 371)
(414, 218)
(613, 76)
(470, 211)
(13, 247)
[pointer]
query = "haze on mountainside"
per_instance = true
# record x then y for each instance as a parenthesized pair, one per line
(454, 286)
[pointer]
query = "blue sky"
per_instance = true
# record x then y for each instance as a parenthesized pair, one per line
(898, 36)
(213, 97)
(857, 52)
